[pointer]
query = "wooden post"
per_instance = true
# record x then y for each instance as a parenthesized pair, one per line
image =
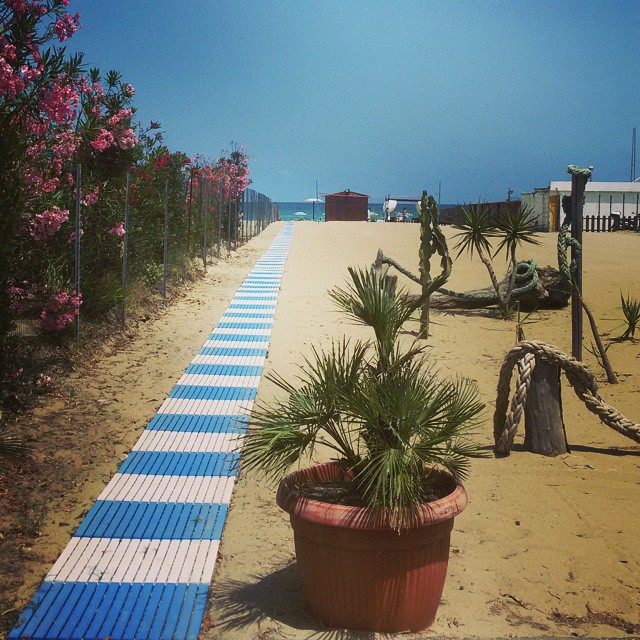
(579, 178)
(544, 429)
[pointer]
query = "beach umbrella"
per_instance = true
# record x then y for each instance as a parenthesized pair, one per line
(314, 200)
(389, 206)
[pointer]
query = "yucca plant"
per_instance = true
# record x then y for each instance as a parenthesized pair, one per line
(515, 229)
(475, 234)
(631, 313)
(382, 410)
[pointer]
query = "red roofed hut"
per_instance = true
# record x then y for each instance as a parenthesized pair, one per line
(346, 205)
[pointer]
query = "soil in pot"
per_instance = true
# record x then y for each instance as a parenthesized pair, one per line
(346, 492)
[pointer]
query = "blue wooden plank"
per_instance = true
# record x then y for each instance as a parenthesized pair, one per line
(92, 609)
(187, 610)
(123, 615)
(113, 612)
(232, 351)
(149, 613)
(79, 607)
(170, 593)
(203, 424)
(202, 392)
(238, 337)
(35, 611)
(100, 613)
(199, 605)
(165, 463)
(173, 611)
(244, 325)
(224, 370)
(257, 307)
(155, 521)
(140, 606)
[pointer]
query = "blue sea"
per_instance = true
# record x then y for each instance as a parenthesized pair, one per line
(287, 210)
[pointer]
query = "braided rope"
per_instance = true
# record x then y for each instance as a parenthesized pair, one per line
(578, 374)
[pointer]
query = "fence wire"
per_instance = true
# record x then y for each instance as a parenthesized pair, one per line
(175, 231)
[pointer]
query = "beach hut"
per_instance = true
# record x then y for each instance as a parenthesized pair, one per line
(346, 205)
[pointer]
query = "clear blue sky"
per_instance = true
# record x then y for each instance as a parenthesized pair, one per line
(379, 96)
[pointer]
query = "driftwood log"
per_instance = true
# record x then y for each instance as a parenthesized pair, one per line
(548, 293)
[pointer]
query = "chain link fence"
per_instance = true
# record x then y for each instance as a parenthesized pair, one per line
(168, 236)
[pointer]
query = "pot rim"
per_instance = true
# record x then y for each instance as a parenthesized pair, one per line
(363, 518)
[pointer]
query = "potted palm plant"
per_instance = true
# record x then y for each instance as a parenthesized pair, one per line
(372, 526)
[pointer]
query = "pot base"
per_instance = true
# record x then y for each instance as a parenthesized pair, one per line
(358, 572)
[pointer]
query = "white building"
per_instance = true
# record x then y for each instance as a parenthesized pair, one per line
(601, 199)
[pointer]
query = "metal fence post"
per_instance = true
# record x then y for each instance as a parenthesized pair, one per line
(219, 219)
(166, 238)
(77, 241)
(205, 216)
(125, 251)
(229, 226)
(235, 223)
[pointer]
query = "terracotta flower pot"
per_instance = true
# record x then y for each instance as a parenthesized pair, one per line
(357, 571)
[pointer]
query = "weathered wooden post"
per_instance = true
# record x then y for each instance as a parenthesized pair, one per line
(579, 178)
(544, 431)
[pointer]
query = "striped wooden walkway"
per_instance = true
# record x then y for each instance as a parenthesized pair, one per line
(140, 563)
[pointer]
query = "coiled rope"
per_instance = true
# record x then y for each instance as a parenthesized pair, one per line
(580, 377)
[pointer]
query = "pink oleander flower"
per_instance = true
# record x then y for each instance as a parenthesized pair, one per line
(66, 26)
(128, 90)
(127, 139)
(59, 102)
(117, 230)
(103, 140)
(60, 311)
(117, 117)
(48, 223)
(91, 198)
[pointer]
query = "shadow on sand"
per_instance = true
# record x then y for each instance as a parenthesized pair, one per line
(631, 450)
(273, 596)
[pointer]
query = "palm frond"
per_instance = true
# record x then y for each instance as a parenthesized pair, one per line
(12, 444)
(475, 231)
(518, 227)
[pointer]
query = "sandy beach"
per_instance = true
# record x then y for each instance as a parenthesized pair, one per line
(543, 541)
(545, 547)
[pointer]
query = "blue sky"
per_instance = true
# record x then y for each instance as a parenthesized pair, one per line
(380, 96)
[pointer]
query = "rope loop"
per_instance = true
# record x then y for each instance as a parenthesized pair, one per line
(507, 416)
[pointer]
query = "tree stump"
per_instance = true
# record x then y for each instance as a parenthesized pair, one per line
(544, 428)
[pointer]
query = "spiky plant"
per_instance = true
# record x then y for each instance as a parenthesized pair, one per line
(475, 233)
(518, 227)
(380, 409)
(631, 313)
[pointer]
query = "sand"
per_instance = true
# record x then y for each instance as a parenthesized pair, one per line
(545, 547)
(543, 541)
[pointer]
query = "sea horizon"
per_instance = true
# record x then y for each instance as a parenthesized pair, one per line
(288, 209)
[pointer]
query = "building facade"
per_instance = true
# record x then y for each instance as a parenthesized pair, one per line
(346, 205)
(601, 199)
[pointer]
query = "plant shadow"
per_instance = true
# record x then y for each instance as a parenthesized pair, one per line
(273, 596)
(631, 450)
